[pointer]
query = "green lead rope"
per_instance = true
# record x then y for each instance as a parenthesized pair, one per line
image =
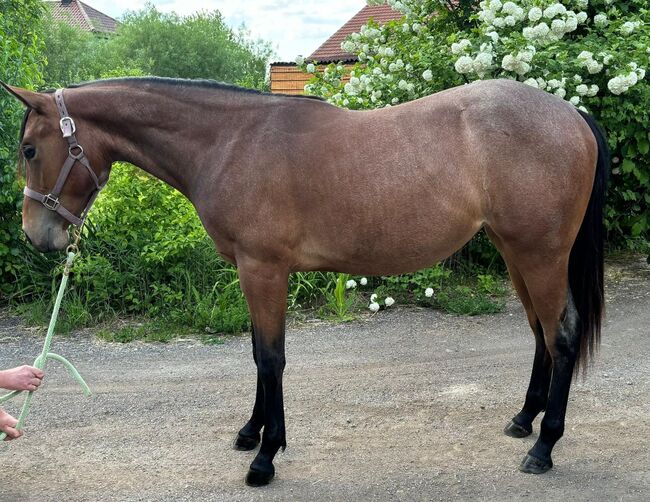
(46, 354)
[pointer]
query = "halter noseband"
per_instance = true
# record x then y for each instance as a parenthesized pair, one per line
(75, 154)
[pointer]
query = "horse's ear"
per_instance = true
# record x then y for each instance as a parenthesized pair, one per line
(31, 99)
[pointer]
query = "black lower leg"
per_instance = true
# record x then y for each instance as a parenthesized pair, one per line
(274, 437)
(537, 394)
(565, 352)
(249, 436)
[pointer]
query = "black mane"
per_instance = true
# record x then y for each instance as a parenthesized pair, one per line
(183, 82)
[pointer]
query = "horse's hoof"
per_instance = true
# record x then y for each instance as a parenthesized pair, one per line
(514, 430)
(246, 443)
(259, 478)
(532, 465)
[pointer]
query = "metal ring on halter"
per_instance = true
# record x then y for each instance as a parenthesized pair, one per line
(78, 155)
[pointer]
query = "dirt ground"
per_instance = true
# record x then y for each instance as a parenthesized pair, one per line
(408, 404)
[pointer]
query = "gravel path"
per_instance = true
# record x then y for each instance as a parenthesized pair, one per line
(408, 404)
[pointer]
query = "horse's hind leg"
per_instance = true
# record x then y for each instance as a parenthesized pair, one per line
(553, 303)
(521, 424)
(249, 436)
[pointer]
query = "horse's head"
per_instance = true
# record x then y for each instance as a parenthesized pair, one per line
(62, 179)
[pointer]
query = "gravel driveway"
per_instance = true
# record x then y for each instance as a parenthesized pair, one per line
(408, 404)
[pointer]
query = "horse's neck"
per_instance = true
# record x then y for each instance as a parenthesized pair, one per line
(167, 134)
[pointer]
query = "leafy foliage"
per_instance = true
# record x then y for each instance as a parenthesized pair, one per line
(20, 64)
(166, 45)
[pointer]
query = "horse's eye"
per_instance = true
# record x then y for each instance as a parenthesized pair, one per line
(29, 151)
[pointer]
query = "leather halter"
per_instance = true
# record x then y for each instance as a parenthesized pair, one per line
(75, 154)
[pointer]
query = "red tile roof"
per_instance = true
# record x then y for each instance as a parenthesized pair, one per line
(82, 16)
(331, 50)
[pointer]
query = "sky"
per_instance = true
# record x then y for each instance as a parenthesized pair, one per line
(293, 28)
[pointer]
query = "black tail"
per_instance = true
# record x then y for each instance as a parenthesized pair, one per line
(587, 255)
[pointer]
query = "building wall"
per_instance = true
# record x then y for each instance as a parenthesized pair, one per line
(286, 78)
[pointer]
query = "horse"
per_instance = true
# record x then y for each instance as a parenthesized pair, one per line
(285, 184)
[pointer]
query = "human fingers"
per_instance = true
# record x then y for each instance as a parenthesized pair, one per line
(37, 373)
(35, 382)
(11, 433)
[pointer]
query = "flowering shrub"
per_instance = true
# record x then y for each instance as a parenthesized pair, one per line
(592, 53)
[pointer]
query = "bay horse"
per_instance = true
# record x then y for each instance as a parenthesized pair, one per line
(285, 184)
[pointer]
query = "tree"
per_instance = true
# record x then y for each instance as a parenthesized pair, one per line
(20, 64)
(197, 46)
(591, 53)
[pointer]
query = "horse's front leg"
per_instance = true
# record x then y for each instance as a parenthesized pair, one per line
(249, 436)
(265, 288)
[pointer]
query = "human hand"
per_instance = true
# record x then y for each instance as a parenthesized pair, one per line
(8, 426)
(21, 378)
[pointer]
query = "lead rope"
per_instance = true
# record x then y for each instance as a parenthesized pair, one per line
(72, 252)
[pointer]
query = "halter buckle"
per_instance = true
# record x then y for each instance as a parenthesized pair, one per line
(68, 127)
(51, 202)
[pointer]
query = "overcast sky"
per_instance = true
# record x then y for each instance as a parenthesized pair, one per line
(293, 28)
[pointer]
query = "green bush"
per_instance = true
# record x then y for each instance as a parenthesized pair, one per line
(20, 64)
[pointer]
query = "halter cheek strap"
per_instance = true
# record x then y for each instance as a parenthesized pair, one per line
(75, 155)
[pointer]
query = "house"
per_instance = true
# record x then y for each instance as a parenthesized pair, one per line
(287, 78)
(83, 16)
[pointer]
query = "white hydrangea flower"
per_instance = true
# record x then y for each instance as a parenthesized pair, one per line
(348, 46)
(593, 90)
(499, 22)
(373, 307)
(428, 292)
(535, 14)
(554, 10)
(363, 281)
(389, 301)
(541, 83)
(594, 66)
(601, 20)
(509, 20)
(373, 297)
(607, 59)
(571, 24)
(561, 92)
(582, 89)
(402, 84)
(629, 27)
(583, 4)
(457, 48)
(495, 5)
(351, 284)
(300, 60)
(311, 68)
(577, 79)
(494, 36)
(585, 56)
(464, 64)
(532, 82)
(575, 100)
(617, 86)
(427, 75)
(483, 62)
(558, 26)
(582, 17)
